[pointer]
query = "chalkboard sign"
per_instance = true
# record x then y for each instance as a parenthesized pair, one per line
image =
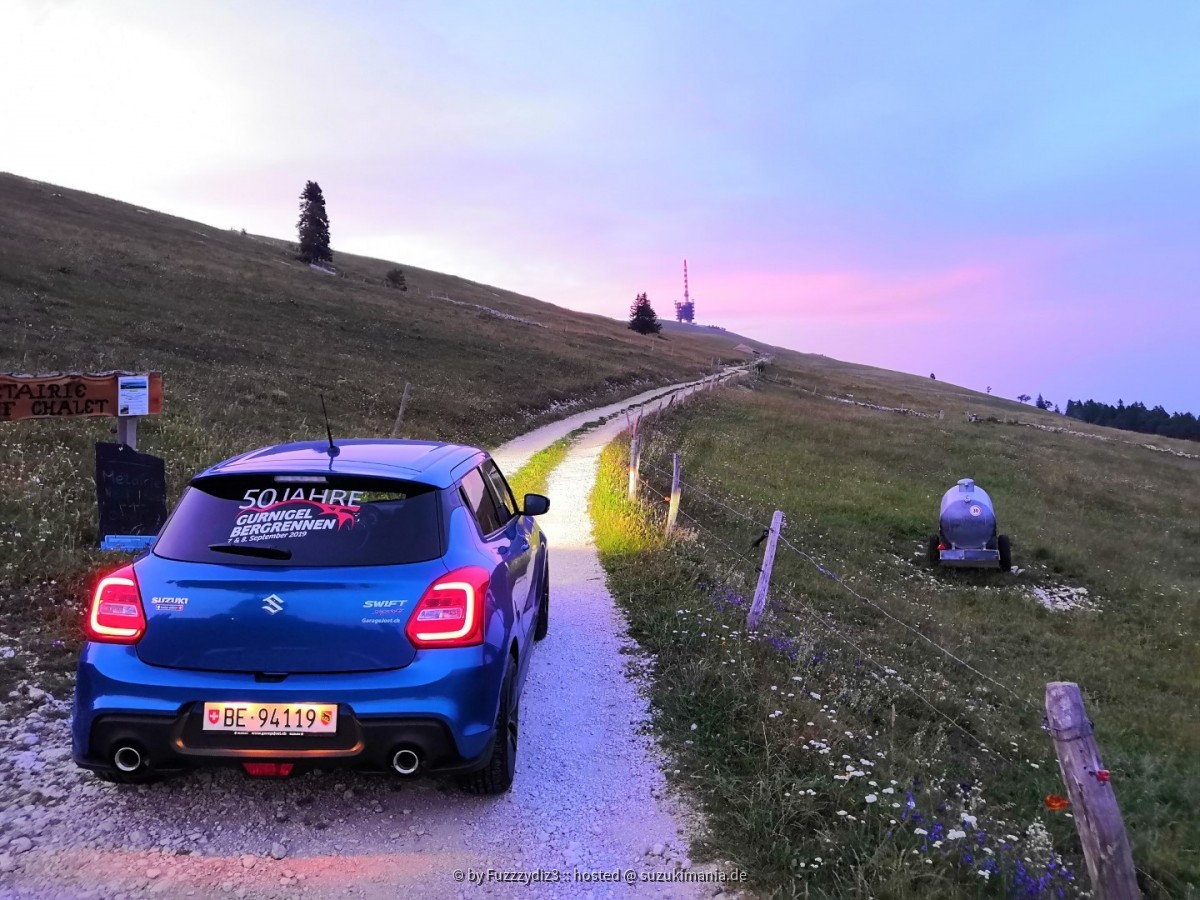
(131, 489)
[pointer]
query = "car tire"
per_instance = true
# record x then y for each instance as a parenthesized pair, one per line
(497, 776)
(543, 617)
(935, 556)
(1005, 548)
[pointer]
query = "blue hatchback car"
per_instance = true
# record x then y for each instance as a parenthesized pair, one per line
(373, 604)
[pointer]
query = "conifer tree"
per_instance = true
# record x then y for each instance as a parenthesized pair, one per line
(313, 225)
(642, 317)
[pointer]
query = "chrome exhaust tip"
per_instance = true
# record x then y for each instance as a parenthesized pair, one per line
(127, 759)
(406, 762)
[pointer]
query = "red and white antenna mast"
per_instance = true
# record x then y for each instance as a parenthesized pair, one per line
(681, 305)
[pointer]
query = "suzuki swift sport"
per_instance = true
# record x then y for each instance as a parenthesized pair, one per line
(373, 604)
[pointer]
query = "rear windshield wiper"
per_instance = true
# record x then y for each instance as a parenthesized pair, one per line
(251, 550)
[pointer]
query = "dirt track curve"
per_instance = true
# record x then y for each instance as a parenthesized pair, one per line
(590, 796)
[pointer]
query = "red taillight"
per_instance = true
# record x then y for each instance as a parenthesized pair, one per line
(268, 769)
(450, 613)
(115, 616)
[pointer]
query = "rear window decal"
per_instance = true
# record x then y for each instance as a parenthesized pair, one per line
(290, 519)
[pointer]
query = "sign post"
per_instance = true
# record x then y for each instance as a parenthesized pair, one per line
(126, 395)
(131, 487)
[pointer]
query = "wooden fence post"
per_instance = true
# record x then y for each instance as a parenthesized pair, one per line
(400, 415)
(673, 510)
(764, 576)
(1093, 801)
(635, 462)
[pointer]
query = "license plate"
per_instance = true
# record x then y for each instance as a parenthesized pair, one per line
(271, 718)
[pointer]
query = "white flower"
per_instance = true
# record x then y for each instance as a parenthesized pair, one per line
(694, 726)
(842, 812)
(968, 820)
(871, 798)
(920, 831)
(955, 833)
(889, 790)
(814, 695)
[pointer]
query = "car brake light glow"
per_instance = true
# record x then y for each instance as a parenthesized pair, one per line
(116, 616)
(268, 769)
(450, 613)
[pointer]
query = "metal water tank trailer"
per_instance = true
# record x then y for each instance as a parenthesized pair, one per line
(968, 534)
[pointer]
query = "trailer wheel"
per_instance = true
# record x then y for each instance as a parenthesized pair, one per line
(1005, 553)
(935, 555)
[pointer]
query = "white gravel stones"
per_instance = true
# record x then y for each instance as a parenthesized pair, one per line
(1061, 598)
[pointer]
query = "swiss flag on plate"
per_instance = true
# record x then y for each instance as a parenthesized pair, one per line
(214, 716)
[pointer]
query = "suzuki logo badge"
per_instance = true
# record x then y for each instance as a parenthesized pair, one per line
(273, 604)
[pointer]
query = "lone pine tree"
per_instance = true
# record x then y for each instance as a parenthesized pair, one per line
(313, 225)
(642, 317)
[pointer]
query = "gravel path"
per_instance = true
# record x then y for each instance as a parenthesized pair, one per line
(511, 456)
(590, 795)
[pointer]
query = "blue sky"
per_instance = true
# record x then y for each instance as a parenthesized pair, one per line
(1003, 194)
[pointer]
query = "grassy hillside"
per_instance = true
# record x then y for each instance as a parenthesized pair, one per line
(837, 750)
(247, 337)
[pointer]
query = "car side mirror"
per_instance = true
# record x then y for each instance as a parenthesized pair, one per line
(535, 505)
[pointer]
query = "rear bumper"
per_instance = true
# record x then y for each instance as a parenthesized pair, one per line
(970, 558)
(443, 705)
(170, 744)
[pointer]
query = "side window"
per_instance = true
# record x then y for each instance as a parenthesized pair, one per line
(480, 501)
(500, 491)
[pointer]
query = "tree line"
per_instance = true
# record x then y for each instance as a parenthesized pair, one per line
(1136, 417)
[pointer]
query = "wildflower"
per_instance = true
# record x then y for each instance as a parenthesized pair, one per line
(871, 798)
(955, 833)
(920, 831)
(842, 812)
(968, 820)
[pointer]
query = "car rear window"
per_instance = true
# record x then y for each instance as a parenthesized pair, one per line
(290, 520)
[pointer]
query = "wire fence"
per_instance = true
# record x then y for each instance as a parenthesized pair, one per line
(747, 563)
(691, 489)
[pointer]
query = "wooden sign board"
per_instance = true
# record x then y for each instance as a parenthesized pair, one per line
(131, 489)
(76, 394)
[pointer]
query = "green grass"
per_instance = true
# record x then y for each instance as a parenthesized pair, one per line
(246, 338)
(533, 477)
(860, 489)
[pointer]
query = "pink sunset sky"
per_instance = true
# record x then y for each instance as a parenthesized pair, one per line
(1004, 195)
